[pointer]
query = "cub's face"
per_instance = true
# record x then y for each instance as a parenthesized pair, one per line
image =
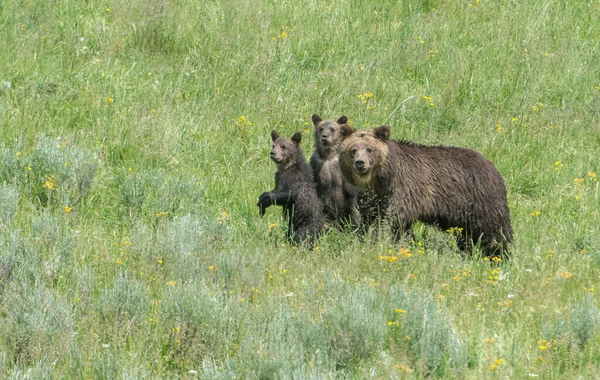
(285, 150)
(363, 154)
(327, 132)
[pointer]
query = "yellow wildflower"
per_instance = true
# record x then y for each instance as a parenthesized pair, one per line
(49, 184)
(565, 274)
(389, 259)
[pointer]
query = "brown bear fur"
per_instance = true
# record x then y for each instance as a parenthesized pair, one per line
(403, 182)
(337, 194)
(294, 190)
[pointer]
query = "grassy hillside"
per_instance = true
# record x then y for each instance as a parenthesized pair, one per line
(134, 143)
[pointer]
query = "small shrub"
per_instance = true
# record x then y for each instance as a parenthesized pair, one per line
(354, 325)
(424, 327)
(584, 319)
(9, 200)
(34, 321)
(126, 298)
(52, 172)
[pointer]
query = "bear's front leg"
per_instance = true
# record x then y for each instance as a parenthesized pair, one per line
(264, 202)
(277, 198)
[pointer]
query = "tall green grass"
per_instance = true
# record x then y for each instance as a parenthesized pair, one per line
(134, 143)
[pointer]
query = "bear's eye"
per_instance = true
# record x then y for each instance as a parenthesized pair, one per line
(321, 129)
(369, 150)
(353, 152)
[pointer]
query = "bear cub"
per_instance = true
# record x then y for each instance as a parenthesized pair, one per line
(336, 193)
(402, 182)
(294, 190)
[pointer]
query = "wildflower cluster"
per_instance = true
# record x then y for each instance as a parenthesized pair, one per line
(460, 274)
(455, 230)
(537, 107)
(432, 54)
(419, 247)
(243, 122)
(565, 274)
(223, 216)
(389, 259)
(283, 34)
(546, 346)
(494, 365)
(403, 252)
(365, 99)
(402, 367)
(558, 165)
(49, 184)
(429, 100)
(494, 276)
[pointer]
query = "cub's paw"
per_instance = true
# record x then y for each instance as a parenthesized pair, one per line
(264, 201)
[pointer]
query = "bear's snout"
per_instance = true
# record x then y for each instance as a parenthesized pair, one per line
(359, 166)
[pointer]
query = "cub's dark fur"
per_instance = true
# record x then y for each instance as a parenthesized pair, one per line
(294, 190)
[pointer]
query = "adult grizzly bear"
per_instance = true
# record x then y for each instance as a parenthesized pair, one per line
(294, 190)
(403, 182)
(337, 194)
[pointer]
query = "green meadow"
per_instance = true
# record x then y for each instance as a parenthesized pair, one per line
(134, 143)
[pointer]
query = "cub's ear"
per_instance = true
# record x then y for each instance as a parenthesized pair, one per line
(347, 130)
(382, 132)
(274, 135)
(342, 120)
(296, 138)
(316, 119)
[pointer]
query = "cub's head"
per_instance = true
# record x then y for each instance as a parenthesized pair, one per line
(327, 132)
(363, 154)
(285, 151)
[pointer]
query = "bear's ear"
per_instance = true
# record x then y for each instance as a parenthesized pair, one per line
(342, 120)
(347, 130)
(316, 119)
(296, 138)
(274, 135)
(382, 132)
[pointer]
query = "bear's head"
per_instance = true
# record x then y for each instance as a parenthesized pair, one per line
(363, 154)
(285, 151)
(327, 133)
